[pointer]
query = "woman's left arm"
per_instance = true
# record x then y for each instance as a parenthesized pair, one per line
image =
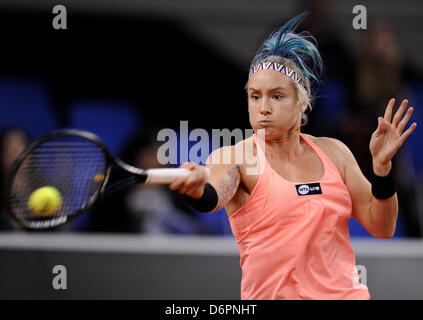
(378, 216)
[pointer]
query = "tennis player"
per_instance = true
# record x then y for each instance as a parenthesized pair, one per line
(290, 220)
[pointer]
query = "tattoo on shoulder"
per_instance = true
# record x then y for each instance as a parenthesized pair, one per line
(228, 185)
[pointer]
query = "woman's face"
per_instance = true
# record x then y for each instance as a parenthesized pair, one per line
(272, 103)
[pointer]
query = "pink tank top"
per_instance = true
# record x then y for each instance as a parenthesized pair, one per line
(293, 238)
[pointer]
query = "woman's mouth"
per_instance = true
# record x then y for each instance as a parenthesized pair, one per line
(265, 122)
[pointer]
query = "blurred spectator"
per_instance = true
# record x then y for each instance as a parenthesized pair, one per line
(330, 41)
(380, 74)
(143, 208)
(332, 95)
(12, 142)
(379, 70)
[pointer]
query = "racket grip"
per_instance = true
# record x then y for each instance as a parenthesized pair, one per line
(167, 176)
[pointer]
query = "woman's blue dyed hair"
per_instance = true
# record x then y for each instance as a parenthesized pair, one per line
(299, 48)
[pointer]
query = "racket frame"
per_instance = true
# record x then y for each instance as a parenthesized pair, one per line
(138, 176)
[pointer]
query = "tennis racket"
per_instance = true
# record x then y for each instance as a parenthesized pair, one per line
(77, 164)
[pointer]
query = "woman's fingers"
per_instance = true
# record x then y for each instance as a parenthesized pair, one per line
(380, 127)
(196, 191)
(193, 183)
(405, 135)
(404, 120)
(188, 165)
(185, 182)
(189, 183)
(176, 184)
(399, 113)
(388, 111)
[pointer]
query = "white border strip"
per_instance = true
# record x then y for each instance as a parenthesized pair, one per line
(181, 245)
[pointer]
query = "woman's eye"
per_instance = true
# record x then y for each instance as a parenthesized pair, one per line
(277, 96)
(254, 97)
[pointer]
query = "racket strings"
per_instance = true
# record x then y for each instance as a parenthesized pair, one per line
(75, 166)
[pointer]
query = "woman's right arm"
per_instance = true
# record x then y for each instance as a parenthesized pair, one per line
(224, 177)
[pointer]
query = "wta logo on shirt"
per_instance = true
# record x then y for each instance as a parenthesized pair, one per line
(309, 188)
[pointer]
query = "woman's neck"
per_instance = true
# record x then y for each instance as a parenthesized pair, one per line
(287, 147)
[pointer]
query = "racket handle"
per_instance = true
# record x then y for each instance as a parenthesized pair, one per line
(167, 176)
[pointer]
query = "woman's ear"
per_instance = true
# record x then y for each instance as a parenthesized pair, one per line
(301, 107)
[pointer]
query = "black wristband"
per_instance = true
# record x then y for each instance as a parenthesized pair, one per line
(207, 202)
(383, 187)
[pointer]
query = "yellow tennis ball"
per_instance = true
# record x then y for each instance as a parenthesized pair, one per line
(44, 201)
(99, 177)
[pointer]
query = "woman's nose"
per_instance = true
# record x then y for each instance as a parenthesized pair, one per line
(265, 108)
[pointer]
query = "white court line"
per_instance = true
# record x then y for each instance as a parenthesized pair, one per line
(181, 245)
(200, 245)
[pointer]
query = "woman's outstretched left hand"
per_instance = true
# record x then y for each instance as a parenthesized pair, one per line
(388, 137)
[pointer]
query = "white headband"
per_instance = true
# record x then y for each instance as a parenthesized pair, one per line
(290, 73)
